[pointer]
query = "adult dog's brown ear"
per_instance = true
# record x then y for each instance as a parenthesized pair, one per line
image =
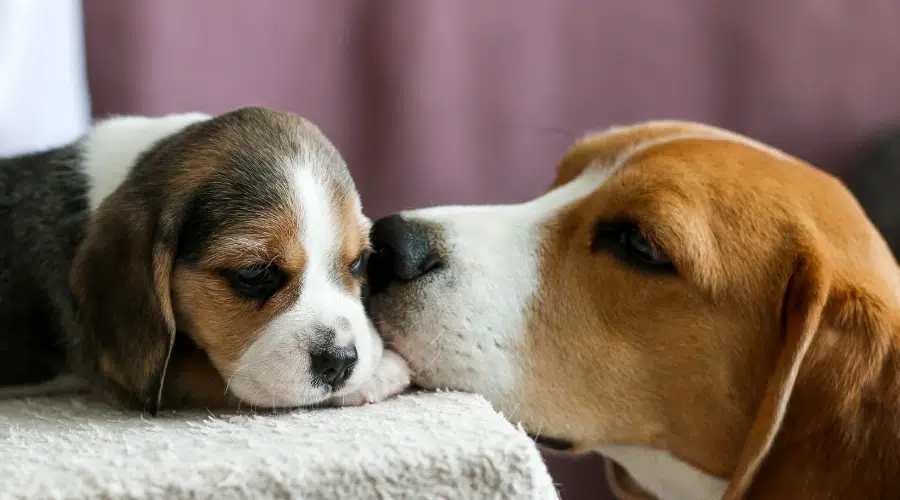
(120, 279)
(822, 429)
(804, 302)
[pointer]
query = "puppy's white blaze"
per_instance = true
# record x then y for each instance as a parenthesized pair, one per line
(113, 145)
(324, 299)
(286, 342)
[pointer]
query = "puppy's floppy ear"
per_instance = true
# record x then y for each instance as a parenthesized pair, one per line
(120, 279)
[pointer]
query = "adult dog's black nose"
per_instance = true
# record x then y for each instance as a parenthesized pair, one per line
(334, 366)
(402, 252)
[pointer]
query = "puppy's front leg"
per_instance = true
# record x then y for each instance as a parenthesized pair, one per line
(391, 377)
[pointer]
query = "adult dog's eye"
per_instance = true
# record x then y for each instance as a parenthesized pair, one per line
(257, 283)
(627, 242)
(640, 248)
(358, 266)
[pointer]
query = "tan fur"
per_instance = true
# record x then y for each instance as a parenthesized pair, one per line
(193, 381)
(354, 241)
(778, 270)
(209, 311)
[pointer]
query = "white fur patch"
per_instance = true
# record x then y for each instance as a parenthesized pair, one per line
(112, 146)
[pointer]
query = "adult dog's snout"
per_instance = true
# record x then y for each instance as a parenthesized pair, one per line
(402, 252)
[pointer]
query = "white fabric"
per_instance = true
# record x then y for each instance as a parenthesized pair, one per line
(435, 445)
(43, 84)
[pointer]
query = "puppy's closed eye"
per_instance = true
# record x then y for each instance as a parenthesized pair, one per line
(625, 241)
(256, 283)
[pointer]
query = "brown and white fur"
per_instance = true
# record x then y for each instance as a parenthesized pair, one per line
(716, 317)
(191, 260)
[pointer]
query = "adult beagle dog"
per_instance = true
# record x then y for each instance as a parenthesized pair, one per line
(714, 316)
(190, 260)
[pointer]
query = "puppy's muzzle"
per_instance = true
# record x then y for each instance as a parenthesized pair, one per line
(402, 253)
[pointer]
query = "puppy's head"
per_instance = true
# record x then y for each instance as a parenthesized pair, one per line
(665, 294)
(243, 236)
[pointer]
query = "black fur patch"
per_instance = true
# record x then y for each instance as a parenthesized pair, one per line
(43, 212)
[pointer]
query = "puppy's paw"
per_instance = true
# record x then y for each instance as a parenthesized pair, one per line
(392, 376)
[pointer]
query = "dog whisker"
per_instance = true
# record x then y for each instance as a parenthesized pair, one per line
(228, 382)
(537, 434)
(513, 412)
(428, 365)
(436, 338)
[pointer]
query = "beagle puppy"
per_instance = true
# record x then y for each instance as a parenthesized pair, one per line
(714, 316)
(190, 260)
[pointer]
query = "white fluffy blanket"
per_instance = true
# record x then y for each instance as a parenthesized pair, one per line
(444, 445)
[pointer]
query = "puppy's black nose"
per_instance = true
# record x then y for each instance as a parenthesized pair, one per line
(335, 365)
(402, 252)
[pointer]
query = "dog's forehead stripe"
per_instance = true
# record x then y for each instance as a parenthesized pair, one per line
(582, 186)
(596, 173)
(319, 230)
(592, 177)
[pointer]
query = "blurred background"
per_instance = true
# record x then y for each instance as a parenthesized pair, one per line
(466, 101)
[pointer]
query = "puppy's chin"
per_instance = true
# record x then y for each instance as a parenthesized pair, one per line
(282, 395)
(285, 381)
(282, 392)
